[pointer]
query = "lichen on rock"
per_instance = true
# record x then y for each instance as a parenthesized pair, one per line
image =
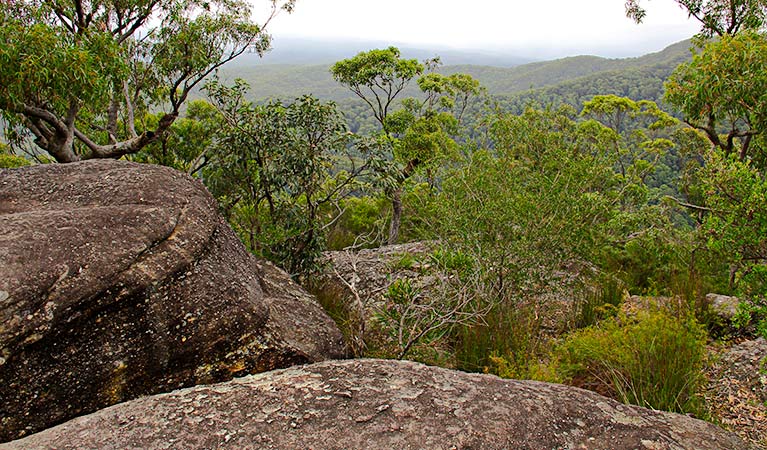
(121, 280)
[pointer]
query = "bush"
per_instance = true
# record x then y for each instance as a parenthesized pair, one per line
(506, 343)
(598, 303)
(362, 223)
(453, 261)
(751, 317)
(653, 360)
(12, 161)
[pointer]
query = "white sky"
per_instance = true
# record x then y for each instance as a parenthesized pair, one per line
(528, 28)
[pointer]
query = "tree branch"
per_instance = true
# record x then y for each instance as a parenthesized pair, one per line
(688, 205)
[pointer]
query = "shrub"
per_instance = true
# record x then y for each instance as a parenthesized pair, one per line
(598, 303)
(403, 261)
(362, 223)
(751, 317)
(505, 343)
(333, 299)
(12, 161)
(652, 360)
(452, 261)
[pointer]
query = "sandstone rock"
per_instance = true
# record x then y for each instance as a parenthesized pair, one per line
(723, 305)
(372, 404)
(373, 270)
(737, 389)
(359, 281)
(119, 280)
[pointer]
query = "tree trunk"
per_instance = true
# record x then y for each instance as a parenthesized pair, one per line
(61, 147)
(396, 215)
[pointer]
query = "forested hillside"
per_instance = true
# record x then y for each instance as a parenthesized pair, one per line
(562, 76)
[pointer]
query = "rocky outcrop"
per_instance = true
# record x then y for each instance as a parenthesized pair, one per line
(371, 271)
(358, 282)
(119, 280)
(362, 404)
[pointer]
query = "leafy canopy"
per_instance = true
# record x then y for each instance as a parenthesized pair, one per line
(722, 90)
(78, 76)
(717, 17)
(377, 77)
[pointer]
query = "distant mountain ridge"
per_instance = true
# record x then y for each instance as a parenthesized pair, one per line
(288, 81)
(297, 51)
(547, 73)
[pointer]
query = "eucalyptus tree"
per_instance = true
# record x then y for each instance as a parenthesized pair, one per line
(78, 76)
(279, 171)
(421, 132)
(717, 17)
(377, 77)
(721, 93)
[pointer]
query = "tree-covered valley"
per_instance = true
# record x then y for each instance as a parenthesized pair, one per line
(594, 222)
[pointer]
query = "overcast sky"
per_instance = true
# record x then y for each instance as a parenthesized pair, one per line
(536, 28)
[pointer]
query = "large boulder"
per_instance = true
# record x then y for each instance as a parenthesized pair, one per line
(364, 404)
(119, 280)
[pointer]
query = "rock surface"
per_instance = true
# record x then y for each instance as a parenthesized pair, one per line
(119, 280)
(737, 390)
(362, 404)
(723, 305)
(359, 280)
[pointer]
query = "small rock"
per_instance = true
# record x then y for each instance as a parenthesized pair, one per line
(724, 306)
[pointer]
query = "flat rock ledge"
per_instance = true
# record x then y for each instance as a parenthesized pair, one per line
(364, 404)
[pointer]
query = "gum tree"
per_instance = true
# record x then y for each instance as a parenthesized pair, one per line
(717, 17)
(721, 92)
(78, 76)
(275, 169)
(421, 132)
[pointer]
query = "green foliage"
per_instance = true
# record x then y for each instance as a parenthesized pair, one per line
(12, 161)
(93, 59)
(421, 133)
(542, 202)
(333, 299)
(377, 77)
(273, 171)
(415, 319)
(736, 228)
(404, 328)
(360, 225)
(653, 360)
(452, 261)
(600, 302)
(717, 17)
(507, 342)
(405, 261)
(78, 76)
(722, 88)
(189, 143)
(520, 215)
(751, 317)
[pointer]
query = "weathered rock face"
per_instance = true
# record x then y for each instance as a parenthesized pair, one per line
(361, 404)
(119, 280)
